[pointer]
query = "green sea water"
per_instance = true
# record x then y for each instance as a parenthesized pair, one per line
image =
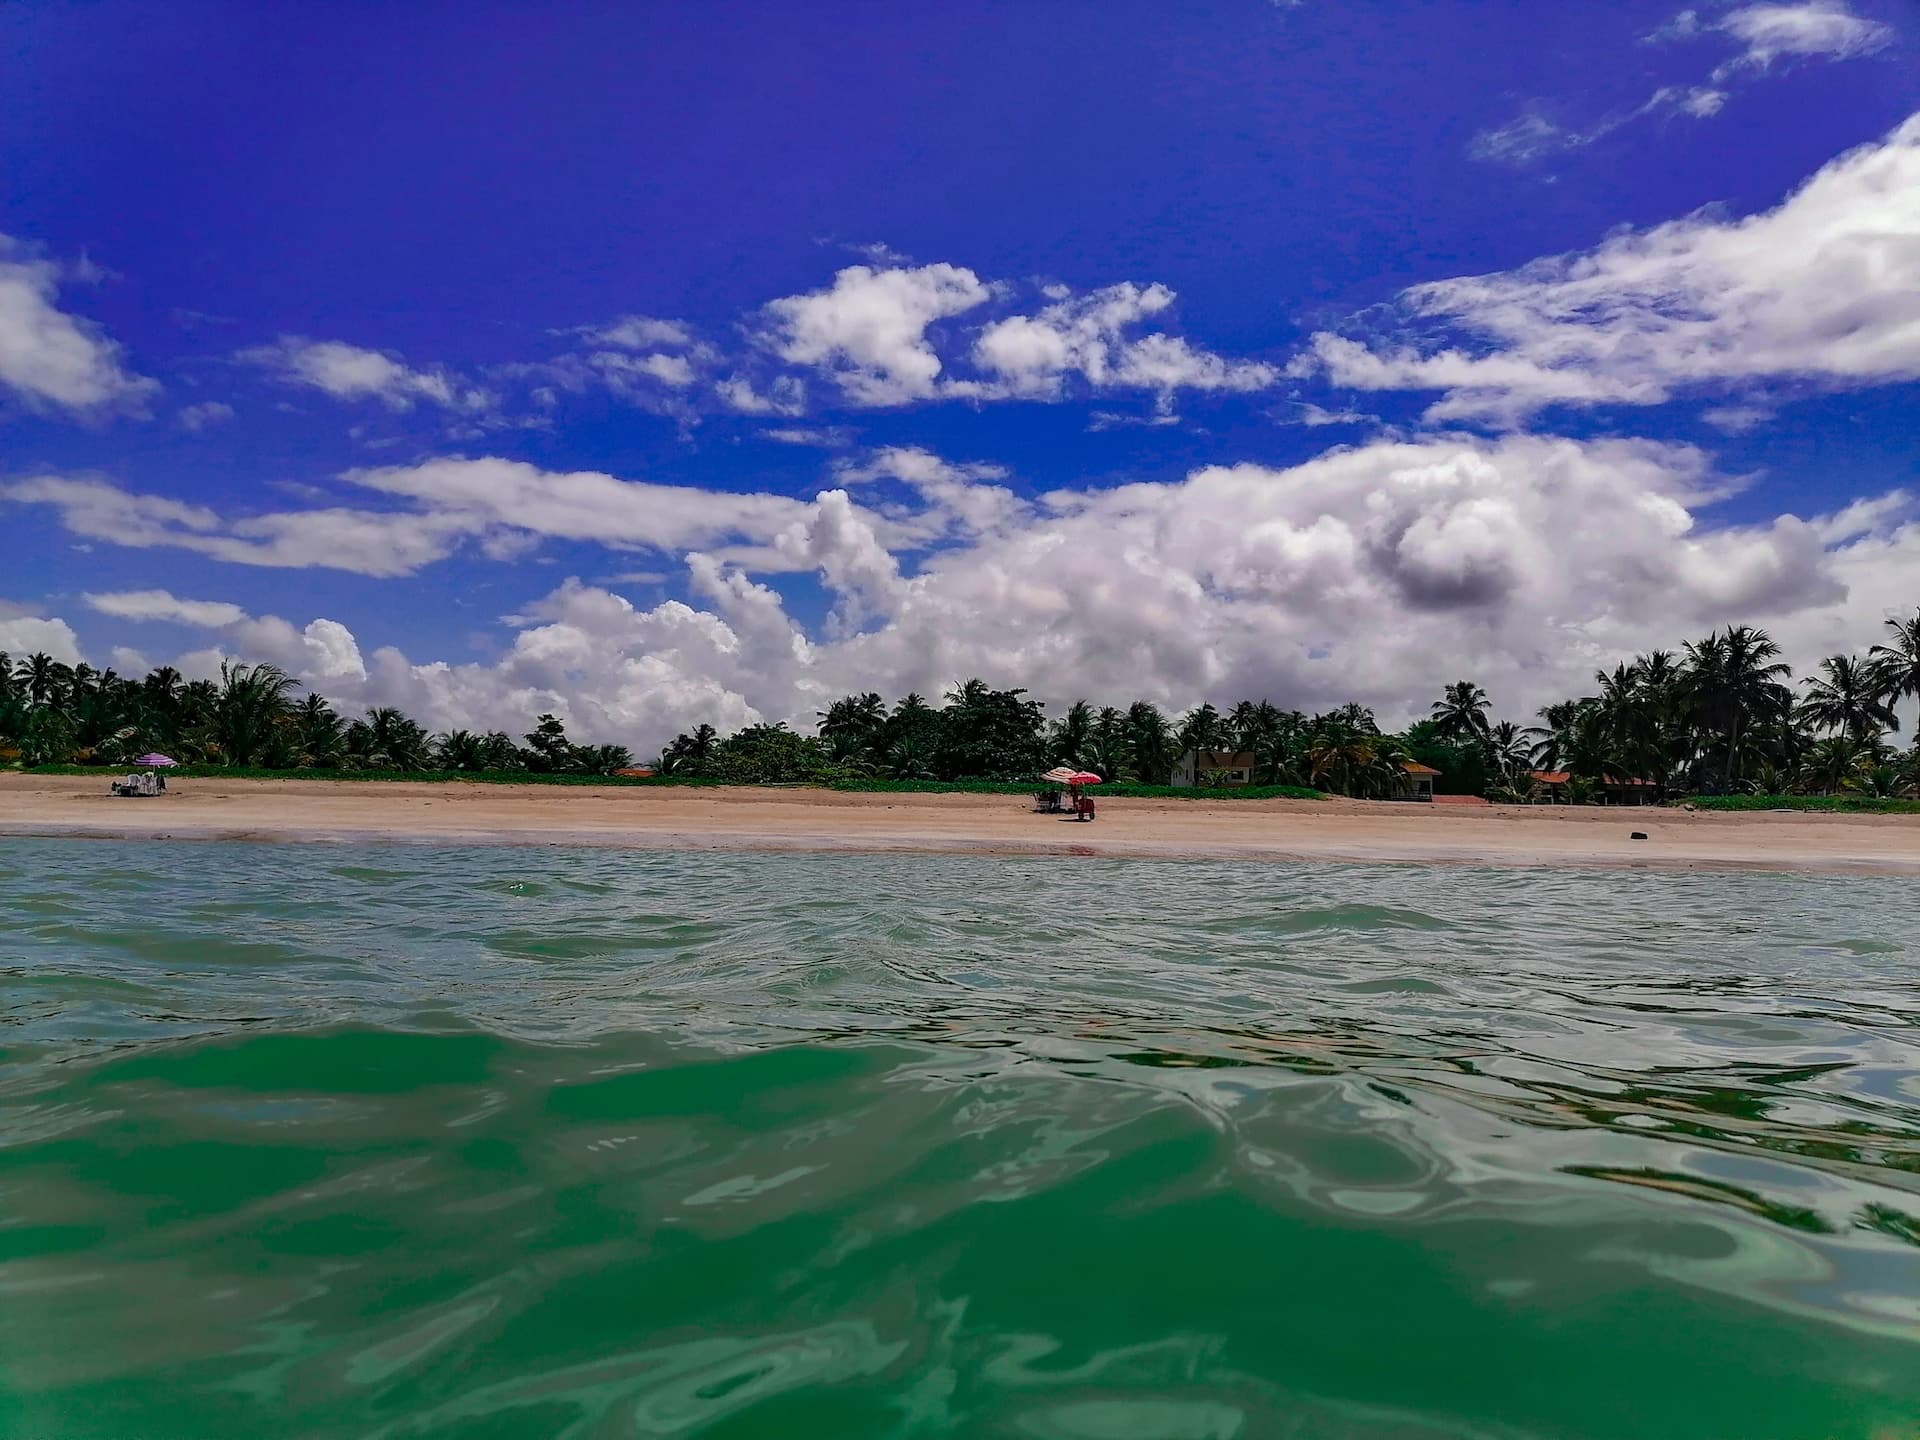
(487, 1143)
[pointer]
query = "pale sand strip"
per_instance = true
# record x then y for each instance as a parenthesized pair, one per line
(749, 819)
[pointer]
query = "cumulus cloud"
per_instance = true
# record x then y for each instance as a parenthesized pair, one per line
(351, 372)
(1033, 355)
(1824, 288)
(868, 330)
(53, 360)
(24, 633)
(1376, 573)
(163, 605)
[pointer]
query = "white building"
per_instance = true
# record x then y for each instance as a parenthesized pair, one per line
(1214, 767)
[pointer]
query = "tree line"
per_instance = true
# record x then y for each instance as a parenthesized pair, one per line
(53, 713)
(1721, 715)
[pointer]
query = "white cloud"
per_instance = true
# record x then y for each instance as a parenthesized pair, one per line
(351, 372)
(1763, 33)
(637, 332)
(1736, 419)
(361, 541)
(1817, 28)
(504, 507)
(163, 605)
(829, 438)
(785, 395)
(673, 370)
(868, 330)
(24, 634)
(959, 498)
(1032, 356)
(203, 416)
(52, 359)
(1825, 288)
(1376, 573)
(586, 504)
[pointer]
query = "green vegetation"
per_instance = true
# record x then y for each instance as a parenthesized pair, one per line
(248, 721)
(1720, 718)
(1846, 804)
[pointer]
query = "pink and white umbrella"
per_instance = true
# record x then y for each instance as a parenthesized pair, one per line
(157, 761)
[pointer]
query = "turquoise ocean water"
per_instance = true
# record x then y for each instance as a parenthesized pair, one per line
(487, 1143)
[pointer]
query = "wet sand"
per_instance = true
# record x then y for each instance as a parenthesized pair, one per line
(671, 817)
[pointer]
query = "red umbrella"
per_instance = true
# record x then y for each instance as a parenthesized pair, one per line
(1083, 777)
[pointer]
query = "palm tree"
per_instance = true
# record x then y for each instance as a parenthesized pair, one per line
(1461, 712)
(1839, 763)
(601, 759)
(252, 700)
(42, 677)
(852, 725)
(1071, 732)
(690, 754)
(1509, 756)
(321, 730)
(389, 739)
(1851, 699)
(161, 688)
(1734, 679)
(1202, 729)
(1149, 743)
(461, 750)
(1896, 665)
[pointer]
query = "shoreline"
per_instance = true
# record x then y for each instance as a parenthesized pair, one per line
(830, 822)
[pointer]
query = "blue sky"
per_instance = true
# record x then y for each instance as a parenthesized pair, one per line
(699, 364)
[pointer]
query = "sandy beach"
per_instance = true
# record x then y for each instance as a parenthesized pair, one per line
(802, 819)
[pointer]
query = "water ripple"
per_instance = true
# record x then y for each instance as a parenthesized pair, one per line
(452, 1142)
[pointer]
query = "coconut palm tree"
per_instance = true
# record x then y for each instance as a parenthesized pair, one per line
(1839, 763)
(42, 677)
(251, 701)
(460, 750)
(690, 754)
(1896, 663)
(853, 725)
(1849, 697)
(1734, 679)
(1202, 728)
(1071, 734)
(1509, 755)
(389, 739)
(1149, 743)
(322, 733)
(1461, 712)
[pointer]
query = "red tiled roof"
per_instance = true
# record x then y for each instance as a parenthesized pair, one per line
(1551, 777)
(1414, 767)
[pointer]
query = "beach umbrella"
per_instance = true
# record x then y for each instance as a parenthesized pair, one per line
(1082, 777)
(161, 761)
(1060, 775)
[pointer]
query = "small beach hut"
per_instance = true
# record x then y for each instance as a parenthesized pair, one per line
(1628, 792)
(1419, 784)
(1549, 787)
